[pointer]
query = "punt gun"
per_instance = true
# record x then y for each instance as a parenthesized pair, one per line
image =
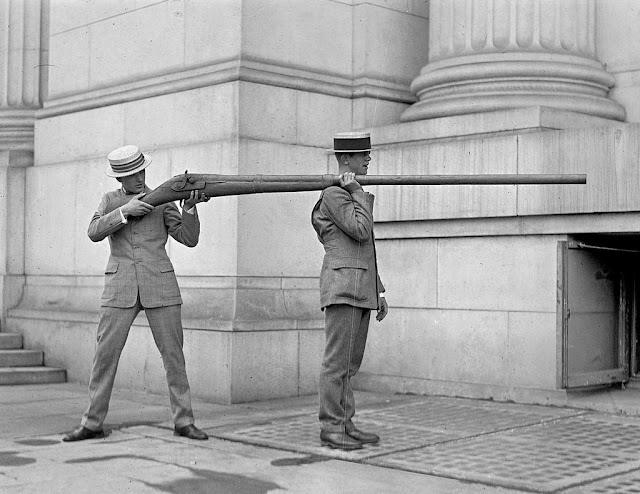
(180, 186)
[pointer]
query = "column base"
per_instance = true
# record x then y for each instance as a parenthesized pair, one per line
(491, 82)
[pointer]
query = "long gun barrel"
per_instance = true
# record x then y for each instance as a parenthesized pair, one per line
(180, 186)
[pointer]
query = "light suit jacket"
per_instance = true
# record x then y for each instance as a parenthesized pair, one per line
(344, 224)
(139, 263)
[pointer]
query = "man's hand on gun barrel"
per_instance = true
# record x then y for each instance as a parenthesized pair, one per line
(194, 198)
(348, 181)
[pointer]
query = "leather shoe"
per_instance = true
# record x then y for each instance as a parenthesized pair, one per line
(190, 431)
(364, 437)
(82, 433)
(339, 440)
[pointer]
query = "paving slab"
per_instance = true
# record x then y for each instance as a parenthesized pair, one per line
(429, 444)
(41, 392)
(145, 459)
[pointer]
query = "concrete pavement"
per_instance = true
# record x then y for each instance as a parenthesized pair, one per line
(429, 445)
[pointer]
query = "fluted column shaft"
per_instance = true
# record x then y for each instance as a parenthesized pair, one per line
(489, 55)
(21, 59)
(20, 64)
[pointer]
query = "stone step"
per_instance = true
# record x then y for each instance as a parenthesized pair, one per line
(10, 340)
(634, 383)
(21, 358)
(32, 375)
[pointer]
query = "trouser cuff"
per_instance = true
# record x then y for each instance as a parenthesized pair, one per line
(184, 423)
(92, 426)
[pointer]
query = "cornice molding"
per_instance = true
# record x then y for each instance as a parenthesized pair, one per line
(246, 70)
(547, 224)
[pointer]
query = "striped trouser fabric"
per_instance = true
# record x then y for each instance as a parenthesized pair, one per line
(346, 329)
(113, 330)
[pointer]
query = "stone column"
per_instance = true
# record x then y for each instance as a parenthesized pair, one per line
(487, 55)
(20, 61)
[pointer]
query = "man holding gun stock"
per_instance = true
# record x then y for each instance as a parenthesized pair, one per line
(139, 276)
(350, 289)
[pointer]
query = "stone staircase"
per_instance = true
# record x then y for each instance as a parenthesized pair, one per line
(21, 366)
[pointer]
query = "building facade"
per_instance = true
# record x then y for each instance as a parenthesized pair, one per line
(510, 292)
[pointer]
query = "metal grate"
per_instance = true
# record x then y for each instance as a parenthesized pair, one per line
(588, 432)
(302, 434)
(621, 484)
(498, 460)
(462, 417)
(541, 449)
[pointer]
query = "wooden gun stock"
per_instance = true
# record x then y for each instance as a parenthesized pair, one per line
(180, 186)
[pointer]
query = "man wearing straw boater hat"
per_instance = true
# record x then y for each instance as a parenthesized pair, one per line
(350, 289)
(139, 276)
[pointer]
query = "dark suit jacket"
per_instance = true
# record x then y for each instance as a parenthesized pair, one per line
(344, 224)
(139, 263)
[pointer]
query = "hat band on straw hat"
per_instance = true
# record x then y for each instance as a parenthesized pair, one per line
(352, 142)
(126, 160)
(127, 167)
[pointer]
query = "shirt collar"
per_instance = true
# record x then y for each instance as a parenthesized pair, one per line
(125, 193)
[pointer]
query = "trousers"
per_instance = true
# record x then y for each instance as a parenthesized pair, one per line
(346, 329)
(113, 330)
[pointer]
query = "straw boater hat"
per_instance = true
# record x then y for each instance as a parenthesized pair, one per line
(125, 161)
(351, 142)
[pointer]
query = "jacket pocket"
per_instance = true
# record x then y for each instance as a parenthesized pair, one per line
(346, 278)
(112, 267)
(346, 262)
(112, 283)
(166, 267)
(170, 287)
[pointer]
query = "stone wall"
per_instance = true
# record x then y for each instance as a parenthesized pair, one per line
(260, 86)
(224, 87)
(471, 316)
(474, 288)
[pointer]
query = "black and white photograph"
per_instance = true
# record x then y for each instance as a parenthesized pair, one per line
(319, 246)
